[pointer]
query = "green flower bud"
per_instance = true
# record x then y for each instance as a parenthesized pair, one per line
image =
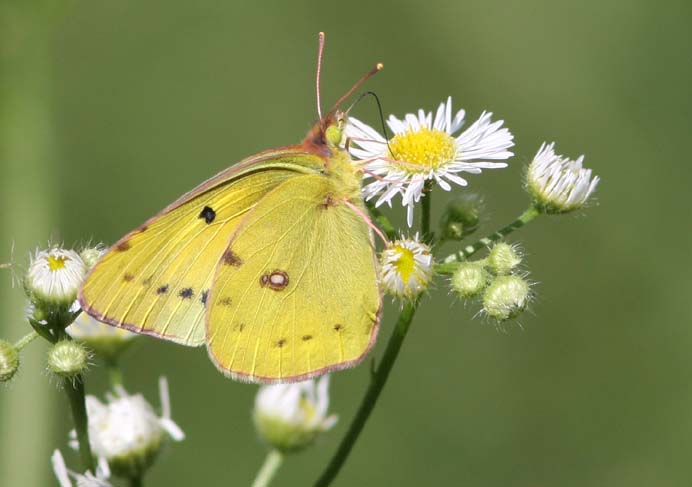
(67, 359)
(91, 255)
(461, 217)
(503, 258)
(469, 279)
(9, 361)
(506, 297)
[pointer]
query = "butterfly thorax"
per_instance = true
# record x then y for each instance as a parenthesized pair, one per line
(325, 139)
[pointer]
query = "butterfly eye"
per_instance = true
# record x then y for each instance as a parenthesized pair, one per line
(333, 134)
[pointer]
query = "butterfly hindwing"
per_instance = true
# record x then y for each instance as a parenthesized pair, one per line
(299, 295)
(157, 279)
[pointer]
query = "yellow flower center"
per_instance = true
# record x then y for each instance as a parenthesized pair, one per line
(422, 150)
(405, 264)
(56, 263)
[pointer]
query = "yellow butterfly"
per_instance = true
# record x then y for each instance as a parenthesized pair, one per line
(271, 263)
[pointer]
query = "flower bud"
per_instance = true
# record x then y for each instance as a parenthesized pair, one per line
(67, 359)
(506, 297)
(9, 361)
(503, 258)
(558, 184)
(469, 279)
(461, 217)
(54, 277)
(406, 268)
(289, 417)
(126, 432)
(91, 255)
(106, 340)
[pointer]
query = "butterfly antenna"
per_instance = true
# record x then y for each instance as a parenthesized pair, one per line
(374, 70)
(320, 51)
(379, 110)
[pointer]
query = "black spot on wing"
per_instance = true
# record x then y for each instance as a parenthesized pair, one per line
(208, 214)
(162, 289)
(186, 293)
(231, 258)
(203, 297)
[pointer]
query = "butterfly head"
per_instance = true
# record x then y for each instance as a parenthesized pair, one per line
(326, 135)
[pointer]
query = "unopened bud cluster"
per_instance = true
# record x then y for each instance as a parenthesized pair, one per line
(503, 293)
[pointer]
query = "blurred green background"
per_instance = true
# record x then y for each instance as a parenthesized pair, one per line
(110, 110)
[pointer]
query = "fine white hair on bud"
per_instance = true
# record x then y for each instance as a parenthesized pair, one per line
(469, 280)
(406, 268)
(54, 277)
(126, 432)
(503, 258)
(67, 359)
(91, 255)
(558, 184)
(106, 340)
(289, 417)
(506, 297)
(9, 361)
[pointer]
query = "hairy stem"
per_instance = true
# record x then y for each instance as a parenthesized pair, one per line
(268, 470)
(451, 262)
(25, 340)
(75, 393)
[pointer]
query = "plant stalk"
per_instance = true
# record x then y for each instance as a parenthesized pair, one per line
(269, 468)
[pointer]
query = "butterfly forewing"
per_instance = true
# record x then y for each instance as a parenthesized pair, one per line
(299, 296)
(157, 279)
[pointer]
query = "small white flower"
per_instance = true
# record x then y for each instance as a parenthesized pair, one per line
(406, 268)
(126, 432)
(86, 480)
(104, 339)
(54, 276)
(290, 416)
(558, 184)
(425, 148)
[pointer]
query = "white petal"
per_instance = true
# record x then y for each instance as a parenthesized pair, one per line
(60, 469)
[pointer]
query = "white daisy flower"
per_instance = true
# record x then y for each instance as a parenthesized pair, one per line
(426, 148)
(126, 432)
(406, 268)
(289, 417)
(87, 480)
(54, 277)
(106, 340)
(558, 184)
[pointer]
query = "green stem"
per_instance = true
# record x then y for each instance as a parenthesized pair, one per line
(381, 221)
(25, 340)
(426, 204)
(268, 470)
(115, 375)
(75, 393)
(377, 382)
(451, 262)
